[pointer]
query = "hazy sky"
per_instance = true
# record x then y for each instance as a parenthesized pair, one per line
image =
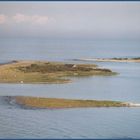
(74, 20)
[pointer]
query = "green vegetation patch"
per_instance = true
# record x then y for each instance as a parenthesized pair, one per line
(50, 67)
(125, 58)
(65, 69)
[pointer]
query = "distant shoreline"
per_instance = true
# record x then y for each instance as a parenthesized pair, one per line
(9, 62)
(136, 60)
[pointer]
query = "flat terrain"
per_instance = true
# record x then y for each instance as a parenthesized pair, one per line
(47, 72)
(38, 102)
(137, 59)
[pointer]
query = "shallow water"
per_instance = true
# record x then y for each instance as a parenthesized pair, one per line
(16, 122)
(70, 123)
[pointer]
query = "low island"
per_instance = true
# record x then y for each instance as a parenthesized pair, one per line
(47, 72)
(58, 103)
(115, 59)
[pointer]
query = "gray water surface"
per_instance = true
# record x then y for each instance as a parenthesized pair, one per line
(16, 122)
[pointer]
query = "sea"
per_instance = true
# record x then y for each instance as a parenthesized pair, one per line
(106, 123)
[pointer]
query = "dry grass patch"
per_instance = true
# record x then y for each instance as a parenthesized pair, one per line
(38, 102)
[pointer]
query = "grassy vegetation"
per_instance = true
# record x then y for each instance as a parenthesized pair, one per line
(136, 58)
(46, 72)
(63, 103)
(125, 58)
(119, 58)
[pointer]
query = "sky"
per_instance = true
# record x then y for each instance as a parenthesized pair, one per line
(70, 20)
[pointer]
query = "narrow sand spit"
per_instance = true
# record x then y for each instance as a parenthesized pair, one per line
(110, 60)
(57, 103)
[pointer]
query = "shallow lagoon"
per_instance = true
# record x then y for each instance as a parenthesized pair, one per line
(122, 87)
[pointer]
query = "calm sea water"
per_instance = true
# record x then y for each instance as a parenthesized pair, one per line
(16, 122)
